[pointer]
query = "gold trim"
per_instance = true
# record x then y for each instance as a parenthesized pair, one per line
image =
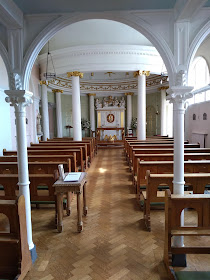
(43, 83)
(141, 72)
(129, 93)
(162, 88)
(75, 74)
(57, 90)
(91, 94)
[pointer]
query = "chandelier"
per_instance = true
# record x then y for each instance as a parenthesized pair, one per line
(49, 75)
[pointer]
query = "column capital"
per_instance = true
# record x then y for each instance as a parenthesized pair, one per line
(43, 83)
(75, 74)
(163, 88)
(57, 90)
(129, 93)
(91, 94)
(141, 72)
(179, 93)
(19, 97)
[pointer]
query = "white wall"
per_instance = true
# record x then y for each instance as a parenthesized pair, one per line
(195, 129)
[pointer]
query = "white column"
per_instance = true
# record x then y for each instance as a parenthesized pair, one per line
(76, 106)
(92, 111)
(129, 109)
(45, 114)
(163, 111)
(141, 104)
(178, 96)
(58, 112)
(20, 99)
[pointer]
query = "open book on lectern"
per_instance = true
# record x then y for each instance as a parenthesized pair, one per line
(72, 177)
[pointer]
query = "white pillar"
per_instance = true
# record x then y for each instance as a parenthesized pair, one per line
(45, 114)
(76, 106)
(141, 104)
(163, 111)
(92, 111)
(58, 112)
(20, 99)
(129, 109)
(178, 96)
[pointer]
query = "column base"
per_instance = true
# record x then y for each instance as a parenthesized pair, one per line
(179, 260)
(33, 254)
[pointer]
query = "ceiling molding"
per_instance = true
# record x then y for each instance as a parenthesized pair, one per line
(10, 15)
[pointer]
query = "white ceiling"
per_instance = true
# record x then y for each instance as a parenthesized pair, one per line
(96, 32)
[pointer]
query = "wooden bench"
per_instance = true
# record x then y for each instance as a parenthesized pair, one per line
(79, 154)
(165, 157)
(15, 257)
(136, 148)
(174, 205)
(33, 167)
(55, 147)
(158, 167)
(198, 181)
(69, 160)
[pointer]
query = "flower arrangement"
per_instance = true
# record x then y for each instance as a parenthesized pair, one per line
(134, 123)
(85, 123)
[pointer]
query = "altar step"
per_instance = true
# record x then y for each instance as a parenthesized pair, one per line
(108, 145)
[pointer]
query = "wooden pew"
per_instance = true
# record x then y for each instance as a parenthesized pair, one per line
(79, 154)
(55, 147)
(10, 188)
(92, 140)
(33, 167)
(158, 167)
(174, 204)
(89, 152)
(198, 181)
(165, 157)
(69, 160)
(135, 148)
(15, 257)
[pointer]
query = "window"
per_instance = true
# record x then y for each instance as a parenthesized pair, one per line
(198, 78)
(204, 116)
(194, 117)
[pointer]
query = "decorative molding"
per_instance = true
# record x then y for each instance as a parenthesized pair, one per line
(19, 98)
(129, 93)
(75, 74)
(43, 83)
(141, 72)
(179, 93)
(91, 94)
(163, 88)
(57, 90)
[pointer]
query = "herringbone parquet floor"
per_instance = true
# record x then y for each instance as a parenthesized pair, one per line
(114, 244)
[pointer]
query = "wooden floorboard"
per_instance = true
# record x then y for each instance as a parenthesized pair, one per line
(114, 244)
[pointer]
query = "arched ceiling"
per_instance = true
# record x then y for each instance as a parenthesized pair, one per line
(96, 32)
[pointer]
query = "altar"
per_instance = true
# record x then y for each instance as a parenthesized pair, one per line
(110, 118)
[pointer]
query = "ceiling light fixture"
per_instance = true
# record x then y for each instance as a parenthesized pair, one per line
(49, 75)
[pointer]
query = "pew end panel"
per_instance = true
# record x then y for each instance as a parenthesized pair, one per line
(15, 257)
(174, 205)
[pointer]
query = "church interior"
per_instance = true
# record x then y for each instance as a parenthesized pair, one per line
(105, 140)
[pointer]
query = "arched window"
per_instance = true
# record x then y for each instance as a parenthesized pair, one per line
(204, 116)
(198, 78)
(194, 117)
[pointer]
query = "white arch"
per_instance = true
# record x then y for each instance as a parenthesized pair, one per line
(5, 57)
(128, 19)
(199, 38)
